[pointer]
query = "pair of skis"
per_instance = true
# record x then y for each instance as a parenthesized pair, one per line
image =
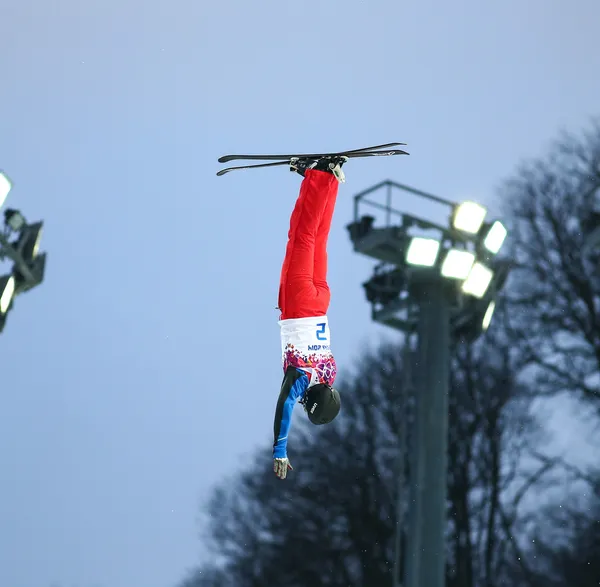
(385, 150)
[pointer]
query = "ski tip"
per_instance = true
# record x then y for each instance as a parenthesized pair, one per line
(222, 172)
(227, 158)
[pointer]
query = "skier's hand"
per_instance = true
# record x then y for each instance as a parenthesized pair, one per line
(281, 467)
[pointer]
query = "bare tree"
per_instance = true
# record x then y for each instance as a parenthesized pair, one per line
(565, 533)
(491, 435)
(555, 292)
(553, 314)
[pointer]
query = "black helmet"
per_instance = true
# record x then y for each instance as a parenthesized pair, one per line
(322, 403)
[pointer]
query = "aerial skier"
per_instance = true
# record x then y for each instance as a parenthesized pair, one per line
(309, 368)
(308, 363)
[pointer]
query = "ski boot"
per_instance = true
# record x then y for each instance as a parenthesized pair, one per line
(330, 164)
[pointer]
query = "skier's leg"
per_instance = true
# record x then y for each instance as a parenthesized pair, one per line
(320, 262)
(297, 290)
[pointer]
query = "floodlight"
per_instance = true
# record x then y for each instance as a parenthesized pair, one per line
(422, 251)
(37, 270)
(457, 264)
(5, 187)
(468, 217)
(29, 242)
(14, 219)
(487, 317)
(478, 280)
(495, 237)
(7, 290)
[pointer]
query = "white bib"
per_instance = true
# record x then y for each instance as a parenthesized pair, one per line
(305, 344)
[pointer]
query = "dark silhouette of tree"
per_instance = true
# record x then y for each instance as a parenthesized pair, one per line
(333, 521)
(553, 313)
(576, 563)
(565, 534)
(552, 325)
(492, 433)
(555, 291)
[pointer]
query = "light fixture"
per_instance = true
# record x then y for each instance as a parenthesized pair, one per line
(37, 270)
(14, 219)
(29, 242)
(487, 317)
(495, 237)
(457, 264)
(7, 290)
(478, 280)
(468, 217)
(422, 251)
(5, 187)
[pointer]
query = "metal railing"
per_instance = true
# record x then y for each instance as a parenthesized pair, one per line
(390, 212)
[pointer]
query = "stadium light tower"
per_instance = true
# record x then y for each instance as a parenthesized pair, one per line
(19, 242)
(440, 282)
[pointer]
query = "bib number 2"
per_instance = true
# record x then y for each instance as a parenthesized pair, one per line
(321, 331)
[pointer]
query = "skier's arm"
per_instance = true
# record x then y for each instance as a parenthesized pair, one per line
(293, 387)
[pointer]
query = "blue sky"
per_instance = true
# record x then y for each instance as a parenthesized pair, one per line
(123, 394)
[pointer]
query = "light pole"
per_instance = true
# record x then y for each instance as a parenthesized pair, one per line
(19, 242)
(440, 284)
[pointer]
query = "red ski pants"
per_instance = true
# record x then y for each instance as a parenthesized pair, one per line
(303, 289)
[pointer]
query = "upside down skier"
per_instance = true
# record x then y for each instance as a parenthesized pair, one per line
(308, 363)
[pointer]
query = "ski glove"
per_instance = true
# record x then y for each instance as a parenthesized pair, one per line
(281, 467)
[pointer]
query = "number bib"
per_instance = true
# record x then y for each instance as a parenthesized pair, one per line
(305, 344)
